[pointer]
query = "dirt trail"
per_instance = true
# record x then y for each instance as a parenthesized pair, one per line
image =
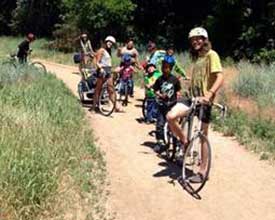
(240, 186)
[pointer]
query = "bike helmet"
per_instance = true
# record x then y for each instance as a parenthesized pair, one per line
(111, 39)
(198, 31)
(148, 65)
(169, 59)
(84, 35)
(126, 58)
(31, 36)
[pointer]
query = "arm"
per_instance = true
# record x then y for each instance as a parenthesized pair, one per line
(215, 87)
(98, 57)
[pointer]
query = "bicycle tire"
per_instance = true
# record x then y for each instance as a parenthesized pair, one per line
(144, 107)
(80, 92)
(39, 65)
(9, 64)
(194, 150)
(104, 100)
(169, 143)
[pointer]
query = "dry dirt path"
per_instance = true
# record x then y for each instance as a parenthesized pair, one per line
(240, 186)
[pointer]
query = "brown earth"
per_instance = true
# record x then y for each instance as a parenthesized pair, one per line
(240, 186)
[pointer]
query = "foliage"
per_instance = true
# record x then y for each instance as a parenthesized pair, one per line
(265, 56)
(39, 115)
(38, 17)
(257, 134)
(256, 82)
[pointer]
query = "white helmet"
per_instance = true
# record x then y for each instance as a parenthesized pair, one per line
(198, 31)
(111, 39)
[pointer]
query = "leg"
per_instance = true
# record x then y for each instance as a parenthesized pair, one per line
(98, 89)
(150, 106)
(178, 111)
(204, 152)
(160, 124)
(111, 90)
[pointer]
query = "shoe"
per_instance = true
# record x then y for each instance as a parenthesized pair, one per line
(159, 148)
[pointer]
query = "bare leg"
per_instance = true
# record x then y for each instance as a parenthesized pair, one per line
(98, 89)
(111, 91)
(178, 111)
(204, 152)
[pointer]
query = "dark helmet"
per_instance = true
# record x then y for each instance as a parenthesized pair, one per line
(169, 60)
(31, 36)
(148, 65)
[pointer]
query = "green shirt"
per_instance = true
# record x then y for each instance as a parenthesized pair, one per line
(150, 80)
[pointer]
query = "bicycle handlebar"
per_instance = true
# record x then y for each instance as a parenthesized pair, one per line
(223, 108)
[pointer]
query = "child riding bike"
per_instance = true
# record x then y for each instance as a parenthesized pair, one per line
(167, 89)
(152, 74)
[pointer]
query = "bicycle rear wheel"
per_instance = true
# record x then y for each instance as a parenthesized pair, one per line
(198, 149)
(8, 65)
(106, 106)
(40, 66)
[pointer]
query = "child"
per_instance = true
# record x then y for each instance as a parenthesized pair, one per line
(151, 108)
(167, 89)
(126, 71)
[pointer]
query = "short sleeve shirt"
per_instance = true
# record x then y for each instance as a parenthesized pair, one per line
(170, 86)
(204, 73)
(150, 80)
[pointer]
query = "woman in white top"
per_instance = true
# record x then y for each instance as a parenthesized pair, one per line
(104, 66)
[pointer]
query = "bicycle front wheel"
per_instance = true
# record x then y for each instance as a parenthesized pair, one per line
(106, 105)
(40, 66)
(197, 163)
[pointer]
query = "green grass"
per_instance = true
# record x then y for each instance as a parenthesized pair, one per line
(9, 45)
(44, 136)
(257, 134)
(256, 82)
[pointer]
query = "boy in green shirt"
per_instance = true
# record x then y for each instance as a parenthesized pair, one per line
(152, 75)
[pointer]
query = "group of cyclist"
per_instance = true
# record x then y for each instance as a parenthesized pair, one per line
(163, 86)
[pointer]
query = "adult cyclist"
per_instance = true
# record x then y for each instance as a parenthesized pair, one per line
(206, 80)
(104, 66)
(86, 50)
(24, 48)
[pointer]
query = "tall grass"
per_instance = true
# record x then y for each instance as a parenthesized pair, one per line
(43, 136)
(9, 45)
(256, 82)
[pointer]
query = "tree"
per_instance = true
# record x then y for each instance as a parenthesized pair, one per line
(35, 16)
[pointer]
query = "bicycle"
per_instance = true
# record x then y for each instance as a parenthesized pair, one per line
(192, 157)
(86, 90)
(12, 62)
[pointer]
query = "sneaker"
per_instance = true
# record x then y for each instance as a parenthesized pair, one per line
(157, 147)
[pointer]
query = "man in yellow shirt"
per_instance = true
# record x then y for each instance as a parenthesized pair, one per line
(206, 79)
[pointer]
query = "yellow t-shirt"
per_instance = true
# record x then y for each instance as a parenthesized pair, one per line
(204, 73)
